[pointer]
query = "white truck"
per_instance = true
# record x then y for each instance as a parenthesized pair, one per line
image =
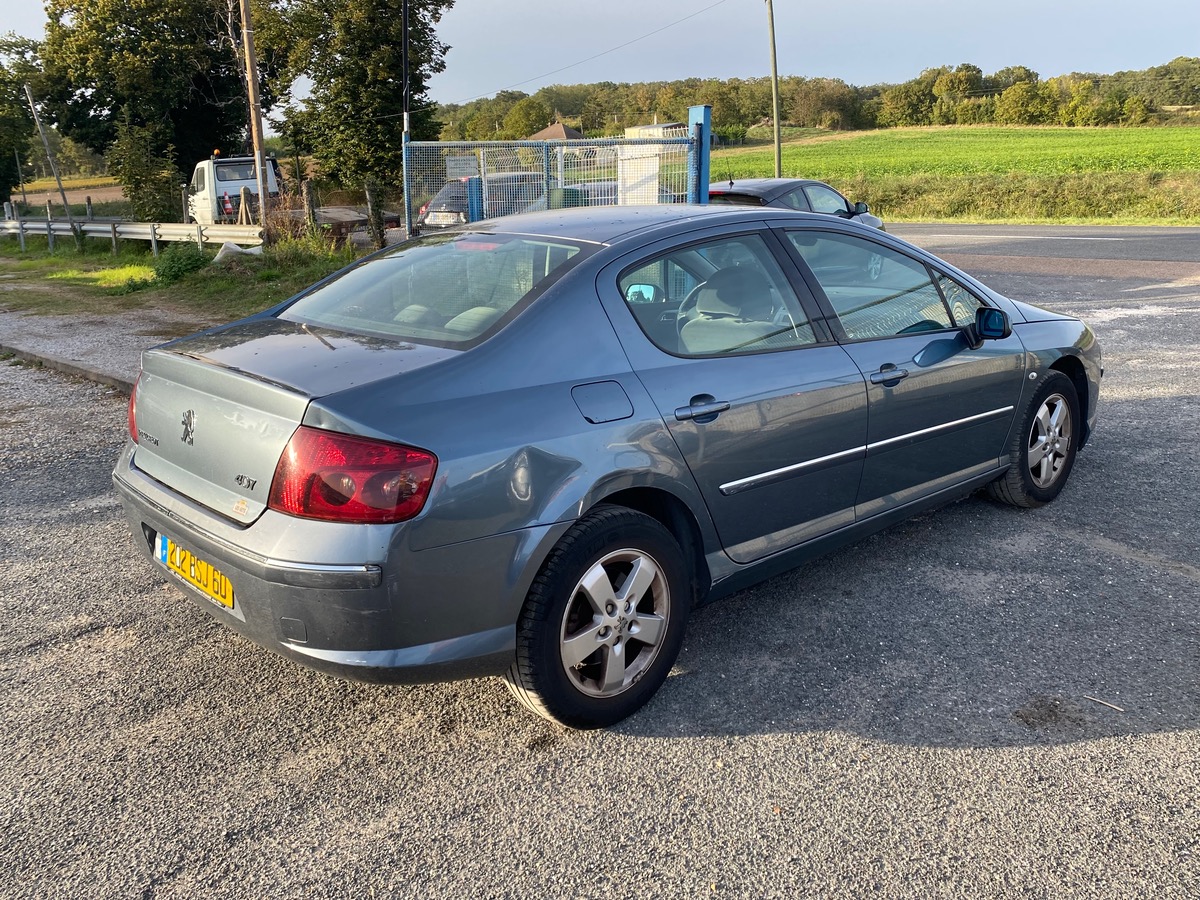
(214, 195)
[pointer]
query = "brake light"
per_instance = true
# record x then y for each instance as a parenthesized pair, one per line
(339, 478)
(133, 410)
(421, 211)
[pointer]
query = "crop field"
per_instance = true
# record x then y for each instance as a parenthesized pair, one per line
(963, 150)
(1035, 174)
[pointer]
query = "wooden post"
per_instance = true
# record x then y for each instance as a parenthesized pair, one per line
(374, 215)
(154, 240)
(246, 207)
(256, 127)
(113, 226)
(88, 201)
(310, 206)
(49, 209)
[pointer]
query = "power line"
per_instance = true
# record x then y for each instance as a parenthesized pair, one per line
(590, 58)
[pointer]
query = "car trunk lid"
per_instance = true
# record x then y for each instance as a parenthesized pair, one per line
(215, 411)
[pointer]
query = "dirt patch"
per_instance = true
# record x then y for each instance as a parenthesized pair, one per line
(1042, 712)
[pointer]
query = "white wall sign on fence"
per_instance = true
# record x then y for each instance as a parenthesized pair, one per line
(461, 167)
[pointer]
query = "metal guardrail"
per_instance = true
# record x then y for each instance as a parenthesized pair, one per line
(154, 232)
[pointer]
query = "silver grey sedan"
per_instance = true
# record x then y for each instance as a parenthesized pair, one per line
(531, 447)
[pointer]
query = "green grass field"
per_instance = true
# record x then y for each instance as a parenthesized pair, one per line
(1127, 175)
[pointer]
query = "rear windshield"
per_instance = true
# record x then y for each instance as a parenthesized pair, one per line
(450, 290)
(236, 171)
(728, 199)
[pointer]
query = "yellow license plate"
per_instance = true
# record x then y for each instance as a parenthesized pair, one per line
(203, 576)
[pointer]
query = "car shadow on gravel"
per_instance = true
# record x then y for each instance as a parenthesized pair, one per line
(976, 625)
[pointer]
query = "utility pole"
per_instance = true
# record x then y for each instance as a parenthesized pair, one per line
(53, 168)
(775, 92)
(256, 129)
(404, 93)
(20, 176)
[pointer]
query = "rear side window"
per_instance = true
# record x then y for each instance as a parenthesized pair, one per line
(449, 290)
(875, 291)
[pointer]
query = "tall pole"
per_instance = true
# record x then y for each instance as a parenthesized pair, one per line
(20, 176)
(256, 129)
(404, 65)
(53, 168)
(775, 92)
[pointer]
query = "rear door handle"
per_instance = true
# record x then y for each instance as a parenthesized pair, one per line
(888, 375)
(703, 408)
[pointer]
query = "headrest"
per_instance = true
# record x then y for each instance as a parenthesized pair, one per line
(728, 292)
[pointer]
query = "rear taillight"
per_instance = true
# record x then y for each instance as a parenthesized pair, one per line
(339, 478)
(133, 410)
(421, 211)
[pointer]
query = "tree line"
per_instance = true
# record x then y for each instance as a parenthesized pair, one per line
(959, 95)
(153, 88)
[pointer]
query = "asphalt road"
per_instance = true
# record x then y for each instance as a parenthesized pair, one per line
(979, 703)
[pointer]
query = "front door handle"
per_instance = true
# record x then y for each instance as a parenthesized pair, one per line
(703, 408)
(888, 375)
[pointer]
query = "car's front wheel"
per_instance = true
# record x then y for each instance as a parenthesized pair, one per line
(603, 622)
(1044, 446)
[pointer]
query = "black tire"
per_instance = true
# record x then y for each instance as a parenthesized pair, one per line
(1043, 447)
(632, 620)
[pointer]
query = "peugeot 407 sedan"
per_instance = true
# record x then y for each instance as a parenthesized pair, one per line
(531, 447)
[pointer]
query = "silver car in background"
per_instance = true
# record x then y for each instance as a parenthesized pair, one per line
(529, 448)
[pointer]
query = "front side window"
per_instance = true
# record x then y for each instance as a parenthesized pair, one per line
(961, 301)
(721, 297)
(449, 289)
(874, 290)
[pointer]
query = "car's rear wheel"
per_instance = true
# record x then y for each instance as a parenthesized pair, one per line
(1044, 447)
(603, 622)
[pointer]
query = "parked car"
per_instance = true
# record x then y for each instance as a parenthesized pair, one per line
(800, 194)
(529, 448)
(502, 194)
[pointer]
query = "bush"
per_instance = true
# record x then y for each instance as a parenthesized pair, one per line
(179, 260)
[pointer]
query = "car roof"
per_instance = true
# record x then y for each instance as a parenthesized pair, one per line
(760, 187)
(610, 224)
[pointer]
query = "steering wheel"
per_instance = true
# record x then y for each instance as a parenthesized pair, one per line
(687, 308)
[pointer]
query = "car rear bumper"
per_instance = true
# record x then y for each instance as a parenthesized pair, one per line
(437, 617)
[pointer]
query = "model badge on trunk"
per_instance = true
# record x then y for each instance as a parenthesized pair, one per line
(189, 426)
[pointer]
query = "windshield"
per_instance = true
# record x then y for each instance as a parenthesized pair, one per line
(450, 290)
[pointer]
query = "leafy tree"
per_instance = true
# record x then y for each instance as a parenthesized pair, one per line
(910, 103)
(171, 66)
(527, 116)
(1135, 111)
(146, 169)
(18, 60)
(353, 54)
(953, 87)
(1010, 75)
(822, 102)
(1026, 103)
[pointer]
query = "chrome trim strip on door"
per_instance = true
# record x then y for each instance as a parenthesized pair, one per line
(991, 414)
(743, 484)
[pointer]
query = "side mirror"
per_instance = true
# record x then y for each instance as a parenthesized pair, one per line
(860, 208)
(992, 324)
(641, 293)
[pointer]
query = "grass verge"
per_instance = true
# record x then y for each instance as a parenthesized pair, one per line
(66, 282)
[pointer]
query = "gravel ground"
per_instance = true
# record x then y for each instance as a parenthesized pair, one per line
(981, 702)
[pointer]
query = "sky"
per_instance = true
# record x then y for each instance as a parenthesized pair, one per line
(527, 44)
